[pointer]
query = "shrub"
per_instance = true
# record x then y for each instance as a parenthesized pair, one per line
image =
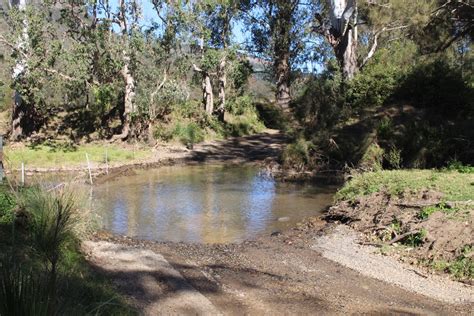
(240, 105)
(372, 158)
(393, 156)
(297, 154)
(373, 86)
(438, 86)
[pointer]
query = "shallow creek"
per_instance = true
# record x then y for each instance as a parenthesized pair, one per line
(204, 204)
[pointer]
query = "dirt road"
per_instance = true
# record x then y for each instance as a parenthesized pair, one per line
(274, 275)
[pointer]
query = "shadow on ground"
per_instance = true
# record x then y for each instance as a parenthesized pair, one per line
(241, 149)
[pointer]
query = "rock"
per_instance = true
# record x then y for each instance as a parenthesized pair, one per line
(283, 219)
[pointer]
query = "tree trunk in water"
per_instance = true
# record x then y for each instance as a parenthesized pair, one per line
(343, 35)
(19, 106)
(281, 33)
(222, 85)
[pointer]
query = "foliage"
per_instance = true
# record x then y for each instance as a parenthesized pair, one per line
(416, 239)
(298, 154)
(438, 86)
(189, 134)
(372, 158)
(459, 167)
(320, 104)
(7, 205)
(243, 117)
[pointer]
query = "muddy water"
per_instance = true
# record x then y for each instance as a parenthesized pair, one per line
(204, 204)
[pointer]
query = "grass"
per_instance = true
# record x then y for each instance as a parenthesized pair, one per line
(47, 156)
(461, 268)
(42, 270)
(456, 186)
(441, 207)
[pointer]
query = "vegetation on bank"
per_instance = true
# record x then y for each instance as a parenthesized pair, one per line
(455, 185)
(42, 270)
(426, 216)
(70, 155)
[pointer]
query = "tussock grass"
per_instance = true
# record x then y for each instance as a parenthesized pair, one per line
(42, 270)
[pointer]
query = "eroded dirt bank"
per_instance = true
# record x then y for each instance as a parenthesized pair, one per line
(419, 228)
(281, 274)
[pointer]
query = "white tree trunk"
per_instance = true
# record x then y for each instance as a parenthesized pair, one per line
(208, 96)
(20, 69)
(129, 93)
(343, 16)
(222, 85)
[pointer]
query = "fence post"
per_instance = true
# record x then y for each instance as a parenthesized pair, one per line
(106, 161)
(89, 168)
(2, 172)
(22, 174)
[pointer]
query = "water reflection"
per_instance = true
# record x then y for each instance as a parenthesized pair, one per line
(208, 204)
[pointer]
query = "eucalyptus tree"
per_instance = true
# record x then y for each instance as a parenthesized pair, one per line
(450, 21)
(221, 15)
(36, 52)
(279, 33)
(20, 49)
(200, 37)
(349, 24)
(127, 17)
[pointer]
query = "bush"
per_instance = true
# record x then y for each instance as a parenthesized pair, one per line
(298, 154)
(373, 86)
(242, 117)
(372, 158)
(438, 86)
(321, 103)
(240, 105)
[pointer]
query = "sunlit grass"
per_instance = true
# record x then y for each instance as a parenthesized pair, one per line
(46, 156)
(455, 186)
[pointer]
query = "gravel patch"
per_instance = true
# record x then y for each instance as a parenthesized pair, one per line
(341, 246)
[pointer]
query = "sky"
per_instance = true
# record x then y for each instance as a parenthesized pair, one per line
(239, 34)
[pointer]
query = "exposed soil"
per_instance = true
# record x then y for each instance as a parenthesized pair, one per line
(286, 273)
(388, 219)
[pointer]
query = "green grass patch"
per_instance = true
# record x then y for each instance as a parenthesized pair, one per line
(461, 268)
(456, 186)
(442, 207)
(46, 156)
